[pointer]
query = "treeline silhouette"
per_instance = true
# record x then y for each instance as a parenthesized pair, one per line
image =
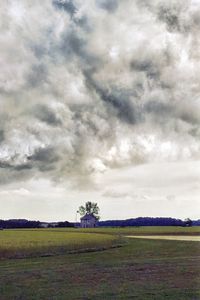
(19, 223)
(196, 223)
(141, 221)
(23, 223)
(148, 221)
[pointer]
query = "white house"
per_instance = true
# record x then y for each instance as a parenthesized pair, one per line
(88, 221)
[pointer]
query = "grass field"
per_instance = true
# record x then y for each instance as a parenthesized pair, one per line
(139, 269)
(142, 230)
(29, 243)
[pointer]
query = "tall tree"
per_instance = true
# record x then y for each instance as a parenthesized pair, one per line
(89, 208)
(188, 222)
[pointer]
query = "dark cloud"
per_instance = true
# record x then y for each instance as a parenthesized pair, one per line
(44, 160)
(170, 17)
(109, 5)
(73, 44)
(147, 66)
(159, 109)
(9, 165)
(37, 75)
(66, 5)
(46, 155)
(23, 167)
(39, 50)
(47, 115)
(125, 109)
(189, 117)
(117, 101)
(175, 15)
(2, 135)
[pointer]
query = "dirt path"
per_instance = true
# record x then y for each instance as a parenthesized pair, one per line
(166, 237)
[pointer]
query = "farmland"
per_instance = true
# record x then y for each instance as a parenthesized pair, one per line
(142, 230)
(63, 264)
(29, 243)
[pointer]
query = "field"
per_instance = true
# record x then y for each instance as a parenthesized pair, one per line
(31, 243)
(68, 264)
(148, 230)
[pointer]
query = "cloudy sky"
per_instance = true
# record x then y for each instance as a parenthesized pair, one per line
(99, 101)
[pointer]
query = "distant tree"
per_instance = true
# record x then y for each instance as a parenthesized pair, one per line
(188, 222)
(65, 224)
(89, 208)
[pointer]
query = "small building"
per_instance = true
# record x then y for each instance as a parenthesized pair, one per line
(44, 225)
(88, 221)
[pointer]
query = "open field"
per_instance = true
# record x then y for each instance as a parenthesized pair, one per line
(140, 230)
(140, 269)
(144, 230)
(29, 243)
(188, 238)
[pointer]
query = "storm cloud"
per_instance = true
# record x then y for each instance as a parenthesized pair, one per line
(89, 86)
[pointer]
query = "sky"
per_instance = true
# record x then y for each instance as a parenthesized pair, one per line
(99, 101)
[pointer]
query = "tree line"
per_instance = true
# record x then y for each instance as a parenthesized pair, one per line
(149, 221)
(141, 221)
(23, 223)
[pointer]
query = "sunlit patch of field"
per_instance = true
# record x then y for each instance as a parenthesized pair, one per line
(29, 243)
(167, 237)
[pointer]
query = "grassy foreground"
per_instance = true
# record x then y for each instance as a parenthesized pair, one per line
(140, 269)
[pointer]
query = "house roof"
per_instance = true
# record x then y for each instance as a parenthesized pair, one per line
(88, 217)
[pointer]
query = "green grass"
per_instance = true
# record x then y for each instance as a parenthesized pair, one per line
(28, 243)
(146, 230)
(143, 230)
(140, 269)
